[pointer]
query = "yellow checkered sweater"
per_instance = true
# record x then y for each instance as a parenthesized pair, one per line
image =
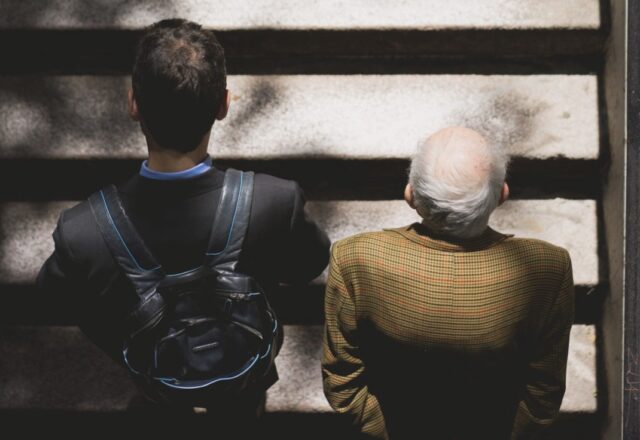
(450, 339)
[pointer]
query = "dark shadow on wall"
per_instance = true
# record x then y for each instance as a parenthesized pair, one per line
(261, 99)
(59, 117)
(95, 14)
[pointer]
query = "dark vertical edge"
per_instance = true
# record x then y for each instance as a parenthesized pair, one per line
(631, 396)
(613, 154)
(603, 261)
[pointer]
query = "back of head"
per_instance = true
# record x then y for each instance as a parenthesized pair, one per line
(457, 179)
(179, 82)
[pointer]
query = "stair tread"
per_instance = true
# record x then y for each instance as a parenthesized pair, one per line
(287, 14)
(312, 116)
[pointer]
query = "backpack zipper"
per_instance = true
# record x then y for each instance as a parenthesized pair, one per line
(249, 329)
(237, 295)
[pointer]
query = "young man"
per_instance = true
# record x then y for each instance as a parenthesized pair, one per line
(178, 91)
(447, 329)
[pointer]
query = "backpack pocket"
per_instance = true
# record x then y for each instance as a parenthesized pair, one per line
(205, 348)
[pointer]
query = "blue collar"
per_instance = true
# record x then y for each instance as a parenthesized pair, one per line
(195, 171)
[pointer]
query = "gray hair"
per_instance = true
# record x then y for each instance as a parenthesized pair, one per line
(450, 195)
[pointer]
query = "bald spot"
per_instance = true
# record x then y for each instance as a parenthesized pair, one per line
(458, 156)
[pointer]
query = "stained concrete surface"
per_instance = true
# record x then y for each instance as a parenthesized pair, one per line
(313, 116)
(293, 14)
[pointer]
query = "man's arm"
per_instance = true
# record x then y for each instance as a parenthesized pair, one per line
(58, 275)
(306, 252)
(343, 370)
(547, 366)
(64, 278)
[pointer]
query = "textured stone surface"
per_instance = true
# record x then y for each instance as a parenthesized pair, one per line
(58, 368)
(292, 14)
(355, 116)
(25, 229)
(25, 239)
(300, 387)
(581, 392)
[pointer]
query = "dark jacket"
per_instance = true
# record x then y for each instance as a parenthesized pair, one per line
(174, 219)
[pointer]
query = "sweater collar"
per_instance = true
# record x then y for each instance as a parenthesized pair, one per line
(192, 172)
(143, 188)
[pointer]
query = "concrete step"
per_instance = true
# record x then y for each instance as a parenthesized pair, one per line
(313, 116)
(57, 368)
(288, 14)
(25, 229)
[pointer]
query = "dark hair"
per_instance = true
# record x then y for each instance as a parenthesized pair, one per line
(179, 80)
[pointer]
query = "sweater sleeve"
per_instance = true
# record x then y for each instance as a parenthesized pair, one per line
(343, 370)
(546, 369)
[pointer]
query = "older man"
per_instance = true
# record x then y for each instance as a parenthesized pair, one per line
(448, 329)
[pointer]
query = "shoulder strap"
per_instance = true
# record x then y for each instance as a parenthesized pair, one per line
(123, 241)
(232, 219)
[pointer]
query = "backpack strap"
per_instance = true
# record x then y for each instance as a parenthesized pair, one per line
(124, 242)
(231, 222)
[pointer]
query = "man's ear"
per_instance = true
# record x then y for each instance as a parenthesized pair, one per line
(133, 107)
(504, 194)
(224, 106)
(408, 196)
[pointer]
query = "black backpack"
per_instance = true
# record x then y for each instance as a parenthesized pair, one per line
(203, 334)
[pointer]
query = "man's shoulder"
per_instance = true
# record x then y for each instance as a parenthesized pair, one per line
(76, 215)
(267, 182)
(78, 230)
(275, 197)
(275, 189)
(534, 245)
(367, 243)
(370, 244)
(533, 249)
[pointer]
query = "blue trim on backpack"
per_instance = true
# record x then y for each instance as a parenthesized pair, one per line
(266, 352)
(182, 273)
(115, 228)
(192, 385)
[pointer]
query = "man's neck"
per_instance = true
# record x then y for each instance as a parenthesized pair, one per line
(171, 161)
